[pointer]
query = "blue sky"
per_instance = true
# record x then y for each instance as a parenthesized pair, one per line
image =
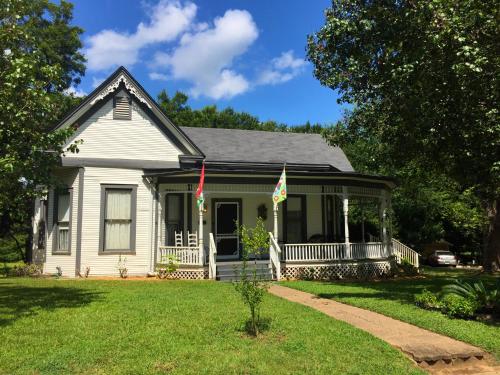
(245, 54)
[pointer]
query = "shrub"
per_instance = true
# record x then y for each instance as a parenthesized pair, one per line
(85, 273)
(407, 268)
(122, 267)
(485, 298)
(169, 264)
(32, 270)
(427, 300)
(458, 307)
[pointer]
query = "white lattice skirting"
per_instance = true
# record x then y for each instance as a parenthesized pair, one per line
(189, 274)
(338, 271)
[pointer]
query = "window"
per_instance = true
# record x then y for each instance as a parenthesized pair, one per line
(62, 222)
(118, 213)
(295, 219)
(122, 108)
(174, 217)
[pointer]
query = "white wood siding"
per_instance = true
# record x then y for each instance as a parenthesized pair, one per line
(66, 262)
(106, 264)
(139, 138)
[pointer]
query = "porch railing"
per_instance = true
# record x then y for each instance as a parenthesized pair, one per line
(274, 256)
(323, 252)
(368, 250)
(212, 253)
(186, 255)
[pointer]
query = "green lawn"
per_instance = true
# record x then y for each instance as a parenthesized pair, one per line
(51, 326)
(394, 298)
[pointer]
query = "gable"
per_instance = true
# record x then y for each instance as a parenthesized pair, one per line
(148, 135)
(137, 138)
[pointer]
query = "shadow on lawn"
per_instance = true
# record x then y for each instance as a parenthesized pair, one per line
(401, 290)
(21, 301)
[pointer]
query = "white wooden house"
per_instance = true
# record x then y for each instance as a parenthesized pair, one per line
(131, 187)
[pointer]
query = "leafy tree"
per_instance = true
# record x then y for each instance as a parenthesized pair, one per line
(424, 76)
(39, 59)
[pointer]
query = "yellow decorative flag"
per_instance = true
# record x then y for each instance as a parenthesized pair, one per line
(279, 194)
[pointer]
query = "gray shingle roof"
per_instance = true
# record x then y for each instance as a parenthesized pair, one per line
(233, 145)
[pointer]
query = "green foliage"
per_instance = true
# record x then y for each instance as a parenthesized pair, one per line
(427, 300)
(485, 298)
(251, 288)
(31, 270)
(168, 265)
(424, 79)
(177, 110)
(39, 59)
(407, 268)
(458, 307)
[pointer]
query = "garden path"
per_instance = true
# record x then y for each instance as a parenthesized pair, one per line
(435, 353)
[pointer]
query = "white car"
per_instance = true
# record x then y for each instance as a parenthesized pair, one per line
(443, 258)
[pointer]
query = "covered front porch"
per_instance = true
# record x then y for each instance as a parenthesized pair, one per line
(330, 223)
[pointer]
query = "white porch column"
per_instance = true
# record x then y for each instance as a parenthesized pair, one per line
(275, 228)
(383, 221)
(200, 235)
(345, 200)
(363, 222)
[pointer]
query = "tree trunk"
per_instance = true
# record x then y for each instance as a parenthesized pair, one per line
(491, 256)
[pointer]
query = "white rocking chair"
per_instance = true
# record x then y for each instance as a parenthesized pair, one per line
(178, 239)
(193, 239)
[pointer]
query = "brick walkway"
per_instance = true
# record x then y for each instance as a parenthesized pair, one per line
(434, 352)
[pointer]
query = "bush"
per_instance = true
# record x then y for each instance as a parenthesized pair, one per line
(487, 299)
(427, 300)
(407, 268)
(169, 264)
(32, 270)
(458, 307)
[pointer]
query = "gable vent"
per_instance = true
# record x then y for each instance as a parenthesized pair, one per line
(122, 110)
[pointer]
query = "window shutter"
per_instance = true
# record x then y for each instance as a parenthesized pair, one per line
(121, 109)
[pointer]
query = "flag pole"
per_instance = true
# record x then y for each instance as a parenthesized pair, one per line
(275, 211)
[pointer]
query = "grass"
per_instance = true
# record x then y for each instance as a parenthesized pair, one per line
(50, 326)
(395, 298)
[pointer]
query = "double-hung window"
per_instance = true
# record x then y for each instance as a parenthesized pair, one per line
(62, 221)
(118, 211)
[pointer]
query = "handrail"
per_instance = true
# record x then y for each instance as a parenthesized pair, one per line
(212, 253)
(401, 251)
(274, 255)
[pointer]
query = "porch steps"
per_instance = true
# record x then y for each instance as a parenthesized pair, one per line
(231, 271)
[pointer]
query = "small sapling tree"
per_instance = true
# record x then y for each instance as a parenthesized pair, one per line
(251, 287)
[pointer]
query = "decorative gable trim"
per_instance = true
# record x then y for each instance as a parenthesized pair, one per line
(113, 86)
(122, 78)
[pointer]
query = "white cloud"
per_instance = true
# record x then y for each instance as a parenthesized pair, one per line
(109, 48)
(282, 69)
(204, 57)
(73, 91)
(155, 76)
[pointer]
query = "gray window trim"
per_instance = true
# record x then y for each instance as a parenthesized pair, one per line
(55, 224)
(133, 216)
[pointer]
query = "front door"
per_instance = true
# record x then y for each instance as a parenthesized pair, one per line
(227, 219)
